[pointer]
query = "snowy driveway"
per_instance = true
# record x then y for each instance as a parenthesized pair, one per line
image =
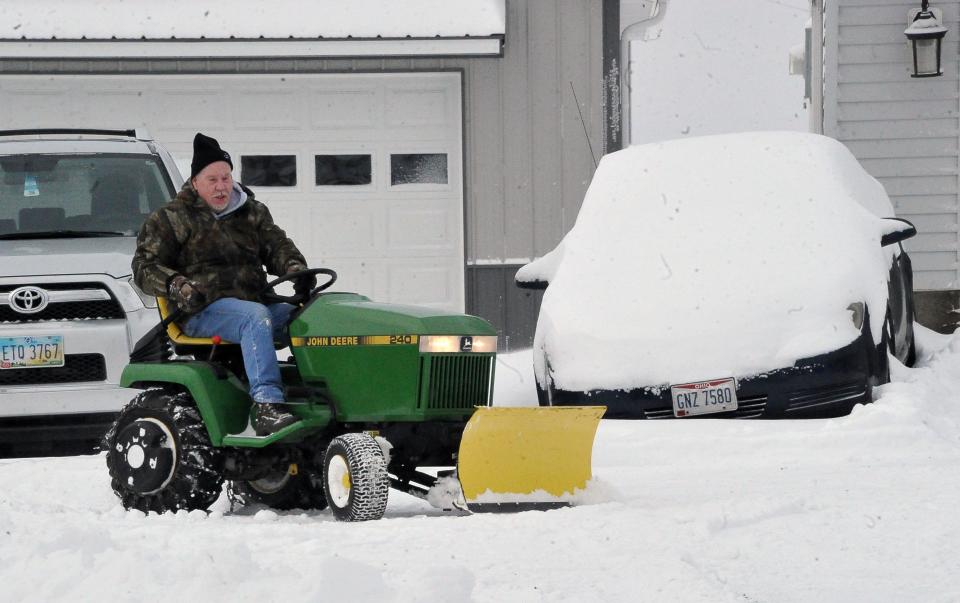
(861, 508)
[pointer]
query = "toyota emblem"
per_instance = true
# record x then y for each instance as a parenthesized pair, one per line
(28, 300)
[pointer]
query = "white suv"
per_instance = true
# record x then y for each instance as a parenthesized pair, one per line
(71, 204)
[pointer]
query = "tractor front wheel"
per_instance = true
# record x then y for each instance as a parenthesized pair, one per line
(355, 478)
(159, 455)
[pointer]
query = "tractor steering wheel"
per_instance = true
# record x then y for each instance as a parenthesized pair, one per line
(269, 296)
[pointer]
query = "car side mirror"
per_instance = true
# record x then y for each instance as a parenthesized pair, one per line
(539, 285)
(897, 230)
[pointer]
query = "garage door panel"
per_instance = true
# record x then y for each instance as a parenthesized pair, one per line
(344, 109)
(195, 111)
(344, 232)
(420, 229)
(419, 284)
(417, 108)
(46, 101)
(266, 110)
(353, 275)
(103, 105)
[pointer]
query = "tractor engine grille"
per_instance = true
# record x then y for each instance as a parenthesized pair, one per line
(76, 367)
(458, 381)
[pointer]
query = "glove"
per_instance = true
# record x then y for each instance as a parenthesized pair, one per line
(189, 296)
(305, 284)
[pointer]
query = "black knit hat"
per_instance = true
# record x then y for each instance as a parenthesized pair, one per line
(206, 150)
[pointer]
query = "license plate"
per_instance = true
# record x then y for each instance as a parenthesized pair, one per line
(704, 397)
(31, 352)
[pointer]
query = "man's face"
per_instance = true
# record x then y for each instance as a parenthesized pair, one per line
(214, 184)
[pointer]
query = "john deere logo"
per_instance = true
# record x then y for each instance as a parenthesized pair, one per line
(28, 300)
(466, 344)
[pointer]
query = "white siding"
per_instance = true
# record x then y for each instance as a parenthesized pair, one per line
(903, 130)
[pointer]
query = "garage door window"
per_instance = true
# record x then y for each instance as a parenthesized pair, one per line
(268, 170)
(418, 168)
(343, 170)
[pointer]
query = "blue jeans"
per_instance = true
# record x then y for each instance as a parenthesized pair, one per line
(255, 327)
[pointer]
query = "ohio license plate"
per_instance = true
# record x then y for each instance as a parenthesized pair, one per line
(704, 397)
(31, 352)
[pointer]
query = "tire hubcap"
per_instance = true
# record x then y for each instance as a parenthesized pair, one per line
(149, 455)
(338, 481)
(271, 484)
(135, 456)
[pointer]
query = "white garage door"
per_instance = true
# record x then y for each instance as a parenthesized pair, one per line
(363, 171)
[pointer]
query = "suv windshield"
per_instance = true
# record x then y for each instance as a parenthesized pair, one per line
(79, 195)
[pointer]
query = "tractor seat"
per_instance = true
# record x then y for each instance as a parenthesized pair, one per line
(180, 339)
(175, 333)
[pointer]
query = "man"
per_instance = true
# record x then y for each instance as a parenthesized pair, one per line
(206, 251)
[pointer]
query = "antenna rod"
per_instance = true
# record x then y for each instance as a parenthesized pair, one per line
(584, 124)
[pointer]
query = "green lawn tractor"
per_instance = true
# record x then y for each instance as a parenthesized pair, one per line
(387, 396)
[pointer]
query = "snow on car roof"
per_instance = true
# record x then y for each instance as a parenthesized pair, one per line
(712, 257)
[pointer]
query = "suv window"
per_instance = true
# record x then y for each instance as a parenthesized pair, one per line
(88, 193)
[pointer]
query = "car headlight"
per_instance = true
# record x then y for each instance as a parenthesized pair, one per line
(451, 344)
(858, 313)
(149, 301)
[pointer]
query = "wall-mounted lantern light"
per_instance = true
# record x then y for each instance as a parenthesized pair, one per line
(925, 31)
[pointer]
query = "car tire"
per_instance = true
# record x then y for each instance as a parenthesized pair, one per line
(543, 397)
(355, 478)
(882, 352)
(160, 457)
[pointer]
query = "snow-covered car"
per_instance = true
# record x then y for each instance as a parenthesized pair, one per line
(745, 275)
(71, 204)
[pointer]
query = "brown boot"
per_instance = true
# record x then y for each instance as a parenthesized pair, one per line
(270, 418)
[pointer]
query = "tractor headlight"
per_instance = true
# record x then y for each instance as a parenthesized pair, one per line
(452, 344)
(858, 313)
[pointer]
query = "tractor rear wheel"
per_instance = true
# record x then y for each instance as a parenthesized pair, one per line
(159, 455)
(355, 477)
(283, 491)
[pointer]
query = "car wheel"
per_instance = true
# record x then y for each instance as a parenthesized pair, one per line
(355, 477)
(160, 457)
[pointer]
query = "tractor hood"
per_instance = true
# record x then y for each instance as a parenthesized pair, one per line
(347, 314)
(101, 255)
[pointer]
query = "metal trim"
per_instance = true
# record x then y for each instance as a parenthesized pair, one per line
(209, 49)
(54, 297)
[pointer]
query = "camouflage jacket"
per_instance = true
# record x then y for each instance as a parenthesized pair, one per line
(226, 256)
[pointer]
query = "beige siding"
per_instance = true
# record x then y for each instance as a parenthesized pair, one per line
(903, 130)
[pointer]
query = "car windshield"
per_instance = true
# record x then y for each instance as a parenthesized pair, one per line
(79, 195)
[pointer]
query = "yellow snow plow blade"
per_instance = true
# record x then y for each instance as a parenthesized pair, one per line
(526, 458)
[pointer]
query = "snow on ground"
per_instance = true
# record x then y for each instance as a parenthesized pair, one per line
(860, 508)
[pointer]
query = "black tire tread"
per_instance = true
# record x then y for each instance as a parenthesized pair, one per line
(197, 480)
(370, 484)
